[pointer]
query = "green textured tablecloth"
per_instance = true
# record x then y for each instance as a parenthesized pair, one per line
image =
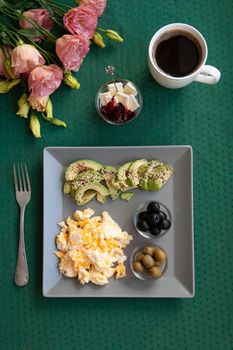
(199, 115)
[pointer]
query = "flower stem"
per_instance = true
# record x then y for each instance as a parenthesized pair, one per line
(101, 29)
(58, 5)
(57, 22)
(11, 35)
(57, 9)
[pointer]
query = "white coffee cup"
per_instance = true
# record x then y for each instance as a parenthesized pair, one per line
(203, 73)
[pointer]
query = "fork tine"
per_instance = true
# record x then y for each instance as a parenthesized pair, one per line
(20, 182)
(27, 176)
(24, 183)
(15, 179)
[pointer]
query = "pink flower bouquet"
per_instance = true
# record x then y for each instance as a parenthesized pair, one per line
(25, 61)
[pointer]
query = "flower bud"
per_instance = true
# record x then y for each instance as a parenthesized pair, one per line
(71, 81)
(24, 106)
(98, 40)
(35, 125)
(49, 109)
(7, 85)
(8, 68)
(113, 35)
(57, 122)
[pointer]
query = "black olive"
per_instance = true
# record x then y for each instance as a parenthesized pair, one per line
(164, 224)
(153, 207)
(142, 225)
(153, 219)
(143, 215)
(162, 215)
(154, 230)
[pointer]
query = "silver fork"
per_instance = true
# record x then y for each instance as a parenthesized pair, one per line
(23, 196)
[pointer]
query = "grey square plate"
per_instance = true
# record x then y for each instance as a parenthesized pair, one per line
(177, 195)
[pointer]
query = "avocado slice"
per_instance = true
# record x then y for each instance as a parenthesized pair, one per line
(160, 177)
(110, 177)
(127, 196)
(80, 194)
(113, 188)
(123, 175)
(100, 198)
(67, 187)
(156, 176)
(122, 171)
(87, 197)
(133, 172)
(80, 165)
(86, 177)
(145, 171)
(108, 172)
(72, 192)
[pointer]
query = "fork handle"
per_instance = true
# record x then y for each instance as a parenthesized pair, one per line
(21, 271)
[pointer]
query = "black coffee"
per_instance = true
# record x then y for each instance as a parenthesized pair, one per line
(178, 55)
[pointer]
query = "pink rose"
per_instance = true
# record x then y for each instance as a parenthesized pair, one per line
(24, 58)
(71, 49)
(40, 16)
(97, 5)
(38, 103)
(44, 80)
(81, 20)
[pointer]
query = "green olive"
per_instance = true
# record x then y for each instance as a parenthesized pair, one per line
(158, 263)
(137, 266)
(159, 255)
(148, 261)
(139, 256)
(148, 250)
(155, 272)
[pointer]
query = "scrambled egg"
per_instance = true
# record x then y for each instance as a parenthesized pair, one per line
(91, 248)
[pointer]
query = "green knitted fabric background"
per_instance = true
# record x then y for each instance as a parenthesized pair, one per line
(199, 115)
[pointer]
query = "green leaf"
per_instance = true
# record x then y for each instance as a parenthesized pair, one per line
(30, 33)
(4, 39)
(2, 3)
(45, 5)
(19, 4)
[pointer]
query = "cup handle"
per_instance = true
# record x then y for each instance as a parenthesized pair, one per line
(208, 75)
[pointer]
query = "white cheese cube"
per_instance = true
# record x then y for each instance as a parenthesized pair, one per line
(123, 98)
(130, 89)
(103, 96)
(132, 103)
(108, 98)
(115, 88)
(111, 88)
(119, 86)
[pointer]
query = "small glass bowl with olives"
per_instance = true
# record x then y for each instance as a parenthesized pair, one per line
(152, 219)
(149, 262)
